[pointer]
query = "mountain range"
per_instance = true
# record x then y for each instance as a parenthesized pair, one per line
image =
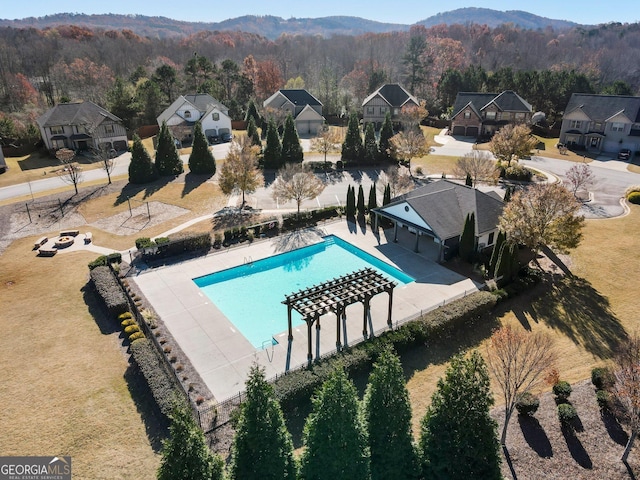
(272, 27)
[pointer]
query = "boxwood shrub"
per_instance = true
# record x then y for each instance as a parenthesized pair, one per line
(301, 384)
(105, 260)
(602, 378)
(634, 197)
(162, 385)
(109, 290)
(527, 404)
(567, 414)
(135, 336)
(129, 329)
(562, 390)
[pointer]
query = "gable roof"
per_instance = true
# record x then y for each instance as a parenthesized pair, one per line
(599, 108)
(392, 93)
(78, 113)
(299, 96)
(507, 101)
(444, 205)
(204, 102)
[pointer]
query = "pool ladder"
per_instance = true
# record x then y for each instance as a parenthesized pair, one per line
(248, 260)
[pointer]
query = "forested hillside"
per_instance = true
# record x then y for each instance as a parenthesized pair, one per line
(136, 77)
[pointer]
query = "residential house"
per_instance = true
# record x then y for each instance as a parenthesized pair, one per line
(601, 123)
(438, 210)
(483, 114)
(390, 97)
(82, 126)
(304, 107)
(182, 115)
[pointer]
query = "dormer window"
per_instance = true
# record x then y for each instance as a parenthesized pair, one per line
(215, 116)
(187, 114)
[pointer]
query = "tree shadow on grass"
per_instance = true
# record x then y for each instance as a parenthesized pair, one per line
(576, 448)
(132, 189)
(98, 311)
(576, 309)
(193, 181)
(535, 436)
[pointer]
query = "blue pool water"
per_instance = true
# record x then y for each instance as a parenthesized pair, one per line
(251, 295)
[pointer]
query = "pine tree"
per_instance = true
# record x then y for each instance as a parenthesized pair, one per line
(373, 199)
(496, 251)
(262, 447)
(168, 160)
(334, 437)
(141, 168)
(468, 238)
(386, 132)
(350, 209)
(273, 149)
(252, 133)
(387, 417)
(352, 146)
(185, 455)
(201, 159)
(458, 436)
(387, 195)
(371, 153)
(252, 112)
(291, 148)
(360, 205)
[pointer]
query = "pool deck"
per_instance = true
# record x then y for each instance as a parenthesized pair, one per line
(222, 355)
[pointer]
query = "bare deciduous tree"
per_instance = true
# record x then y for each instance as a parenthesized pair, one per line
(295, 181)
(579, 176)
(240, 171)
(408, 145)
(412, 115)
(512, 142)
(627, 386)
(71, 172)
(479, 166)
(329, 140)
(399, 182)
(518, 359)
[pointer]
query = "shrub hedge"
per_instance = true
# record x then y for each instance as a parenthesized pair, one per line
(301, 384)
(175, 244)
(162, 386)
(109, 290)
(105, 260)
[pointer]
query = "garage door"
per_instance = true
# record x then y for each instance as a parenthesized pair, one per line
(472, 131)
(458, 130)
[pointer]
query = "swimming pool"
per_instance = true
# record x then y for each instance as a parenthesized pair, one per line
(251, 295)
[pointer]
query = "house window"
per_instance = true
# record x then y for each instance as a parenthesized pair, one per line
(59, 130)
(519, 115)
(490, 241)
(597, 126)
(383, 110)
(490, 115)
(215, 116)
(57, 144)
(109, 128)
(369, 110)
(575, 124)
(467, 115)
(617, 127)
(187, 114)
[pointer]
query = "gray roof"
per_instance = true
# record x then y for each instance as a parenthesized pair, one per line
(299, 96)
(81, 113)
(444, 206)
(507, 101)
(601, 107)
(204, 101)
(393, 93)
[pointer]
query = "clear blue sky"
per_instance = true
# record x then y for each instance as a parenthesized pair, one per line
(392, 11)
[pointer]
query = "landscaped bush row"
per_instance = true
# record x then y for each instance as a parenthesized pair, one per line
(301, 384)
(163, 388)
(174, 245)
(109, 290)
(105, 260)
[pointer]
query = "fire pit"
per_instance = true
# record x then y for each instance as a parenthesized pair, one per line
(64, 242)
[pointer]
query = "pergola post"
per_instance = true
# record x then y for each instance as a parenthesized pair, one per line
(395, 231)
(344, 326)
(338, 316)
(317, 338)
(309, 355)
(417, 240)
(289, 320)
(389, 321)
(365, 317)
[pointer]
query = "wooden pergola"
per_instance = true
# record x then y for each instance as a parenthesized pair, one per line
(334, 296)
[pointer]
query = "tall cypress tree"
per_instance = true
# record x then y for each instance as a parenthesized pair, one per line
(496, 251)
(387, 195)
(201, 159)
(350, 209)
(468, 181)
(459, 439)
(141, 168)
(373, 199)
(334, 436)
(468, 238)
(252, 112)
(291, 148)
(371, 153)
(352, 146)
(262, 447)
(503, 265)
(360, 205)
(168, 160)
(273, 149)
(185, 454)
(387, 417)
(386, 132)
(252, 133)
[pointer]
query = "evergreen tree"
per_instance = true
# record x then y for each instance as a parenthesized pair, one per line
(507, 194)
(252, 112)
(141, 168)
(496, 251)
(273, 149)
(458, 436)
(373, 199)
(387, 195)
(350, 209)
(352, 146)
(468, 238)
(168, 160)
(386, 132)
(262, 447)
(468, 181)
(514, 266)
(252, 133)
(201, 159)
(371, 153)
(334, 437)
(387, 417)
(185, 455)
(291, 148)
(360, 205)
(503, 266)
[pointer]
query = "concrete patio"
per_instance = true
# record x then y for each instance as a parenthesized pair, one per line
(222, 355)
